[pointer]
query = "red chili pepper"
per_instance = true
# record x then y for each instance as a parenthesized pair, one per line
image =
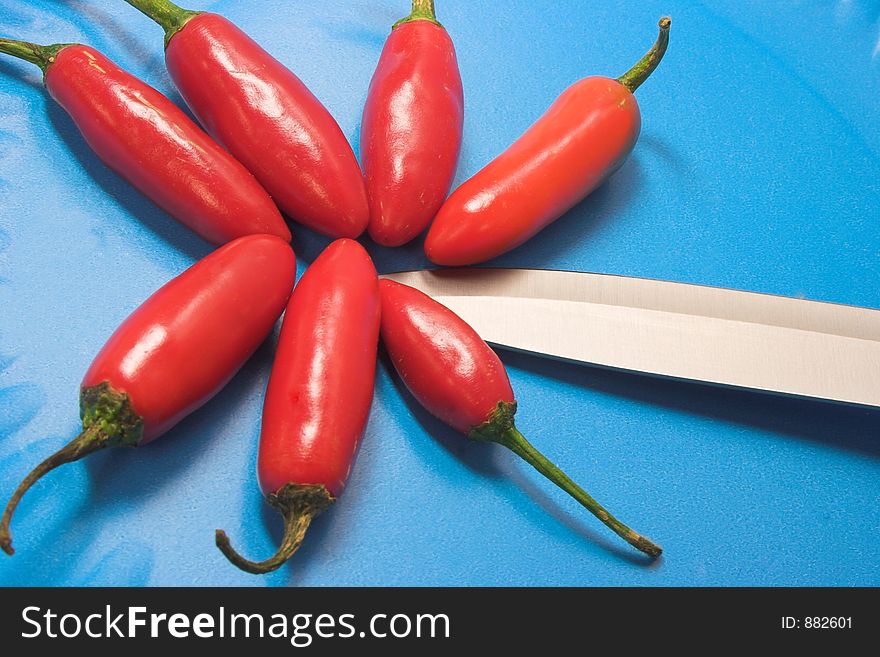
(584, 137)
(266, 117)
(411, 129)
(319, 394)
(459, 379)
(176, 351)
(150, 142)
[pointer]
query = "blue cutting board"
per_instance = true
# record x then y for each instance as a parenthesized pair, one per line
(758, 168)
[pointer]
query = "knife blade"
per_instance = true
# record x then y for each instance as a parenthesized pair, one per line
(713, 335)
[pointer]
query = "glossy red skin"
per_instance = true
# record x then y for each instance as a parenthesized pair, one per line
(411, 131)
(184, 343)
(150, 142)
(583, 138)
(319, 394)
(271, 122)
(441, 359)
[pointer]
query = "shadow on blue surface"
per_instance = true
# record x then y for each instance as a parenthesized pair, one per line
(13, 71)
(391, 259)
(843, 427)
(671, 158)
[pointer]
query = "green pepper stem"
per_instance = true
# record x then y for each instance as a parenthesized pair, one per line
(168, 15)
(34, 53)
(633, 78)
(422, 10)
(298, 505)
(90, 440)
(517, 443)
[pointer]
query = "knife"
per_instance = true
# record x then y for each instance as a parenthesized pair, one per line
(712, 335)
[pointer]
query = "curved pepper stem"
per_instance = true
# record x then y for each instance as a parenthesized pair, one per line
(108, 420)
(634, 77)
(90, 440)
(168, 15)
(422, 10)
(34, 53)
(501, 429)
(298, 504)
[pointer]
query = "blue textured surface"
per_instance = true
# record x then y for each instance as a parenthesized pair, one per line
(757, 168)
